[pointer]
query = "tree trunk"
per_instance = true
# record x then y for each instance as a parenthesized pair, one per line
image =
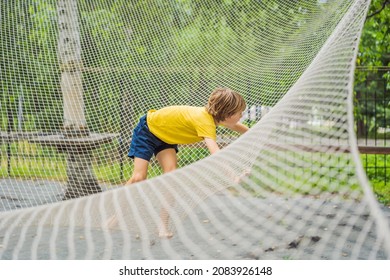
(81, 180)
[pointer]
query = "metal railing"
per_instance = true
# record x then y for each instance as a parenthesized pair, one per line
(372, 117)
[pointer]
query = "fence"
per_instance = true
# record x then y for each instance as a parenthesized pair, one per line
(372, 116)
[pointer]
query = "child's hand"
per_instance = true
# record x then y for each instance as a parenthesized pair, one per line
(239, 178)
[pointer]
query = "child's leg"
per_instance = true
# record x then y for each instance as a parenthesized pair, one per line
(168, 161)
(140, 171)
(139, 174)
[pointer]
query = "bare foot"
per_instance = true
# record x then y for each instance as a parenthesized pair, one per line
(164, 233)
(240, 177)
(112, 222)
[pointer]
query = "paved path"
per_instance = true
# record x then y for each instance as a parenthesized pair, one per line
(222, 227)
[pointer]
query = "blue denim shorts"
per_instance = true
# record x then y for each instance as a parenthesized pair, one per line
(144, 144)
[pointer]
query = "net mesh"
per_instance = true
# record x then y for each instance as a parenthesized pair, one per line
(77, 75)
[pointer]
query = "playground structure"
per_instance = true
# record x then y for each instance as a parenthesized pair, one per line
(117, 60)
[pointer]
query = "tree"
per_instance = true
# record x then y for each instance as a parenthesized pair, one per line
(372, 70)
(374, 48)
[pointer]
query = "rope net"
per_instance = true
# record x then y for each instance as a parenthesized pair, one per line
(77, 75)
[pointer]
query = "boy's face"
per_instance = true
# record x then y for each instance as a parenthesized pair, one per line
(233, 119)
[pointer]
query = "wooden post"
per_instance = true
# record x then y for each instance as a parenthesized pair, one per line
(81, 180)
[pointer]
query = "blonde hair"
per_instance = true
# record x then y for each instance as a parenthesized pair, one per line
(223, 103)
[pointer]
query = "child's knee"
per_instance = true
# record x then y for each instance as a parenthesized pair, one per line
(138, 177)
(170, 167)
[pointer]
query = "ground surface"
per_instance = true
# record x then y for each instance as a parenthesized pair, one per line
(274, 228)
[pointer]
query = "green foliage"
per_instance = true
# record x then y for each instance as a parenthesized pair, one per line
(377, 167)
(197, 40)
(372, 78)
(378, 172)
(382, 191)
(189, 155)
(374, 48)
(190, 37)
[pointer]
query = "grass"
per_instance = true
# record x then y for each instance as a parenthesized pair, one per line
(304, 173)
(382, 191)
(378, 172)
(31, 163)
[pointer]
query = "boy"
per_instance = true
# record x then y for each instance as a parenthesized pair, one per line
(159, 132)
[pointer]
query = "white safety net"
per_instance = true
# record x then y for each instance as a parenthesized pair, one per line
(75, 78)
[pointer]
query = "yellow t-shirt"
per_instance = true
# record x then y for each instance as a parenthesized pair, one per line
(181, 124)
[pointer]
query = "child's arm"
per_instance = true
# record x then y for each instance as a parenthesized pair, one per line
(211, 145)
(238, 127)
(213, 148)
